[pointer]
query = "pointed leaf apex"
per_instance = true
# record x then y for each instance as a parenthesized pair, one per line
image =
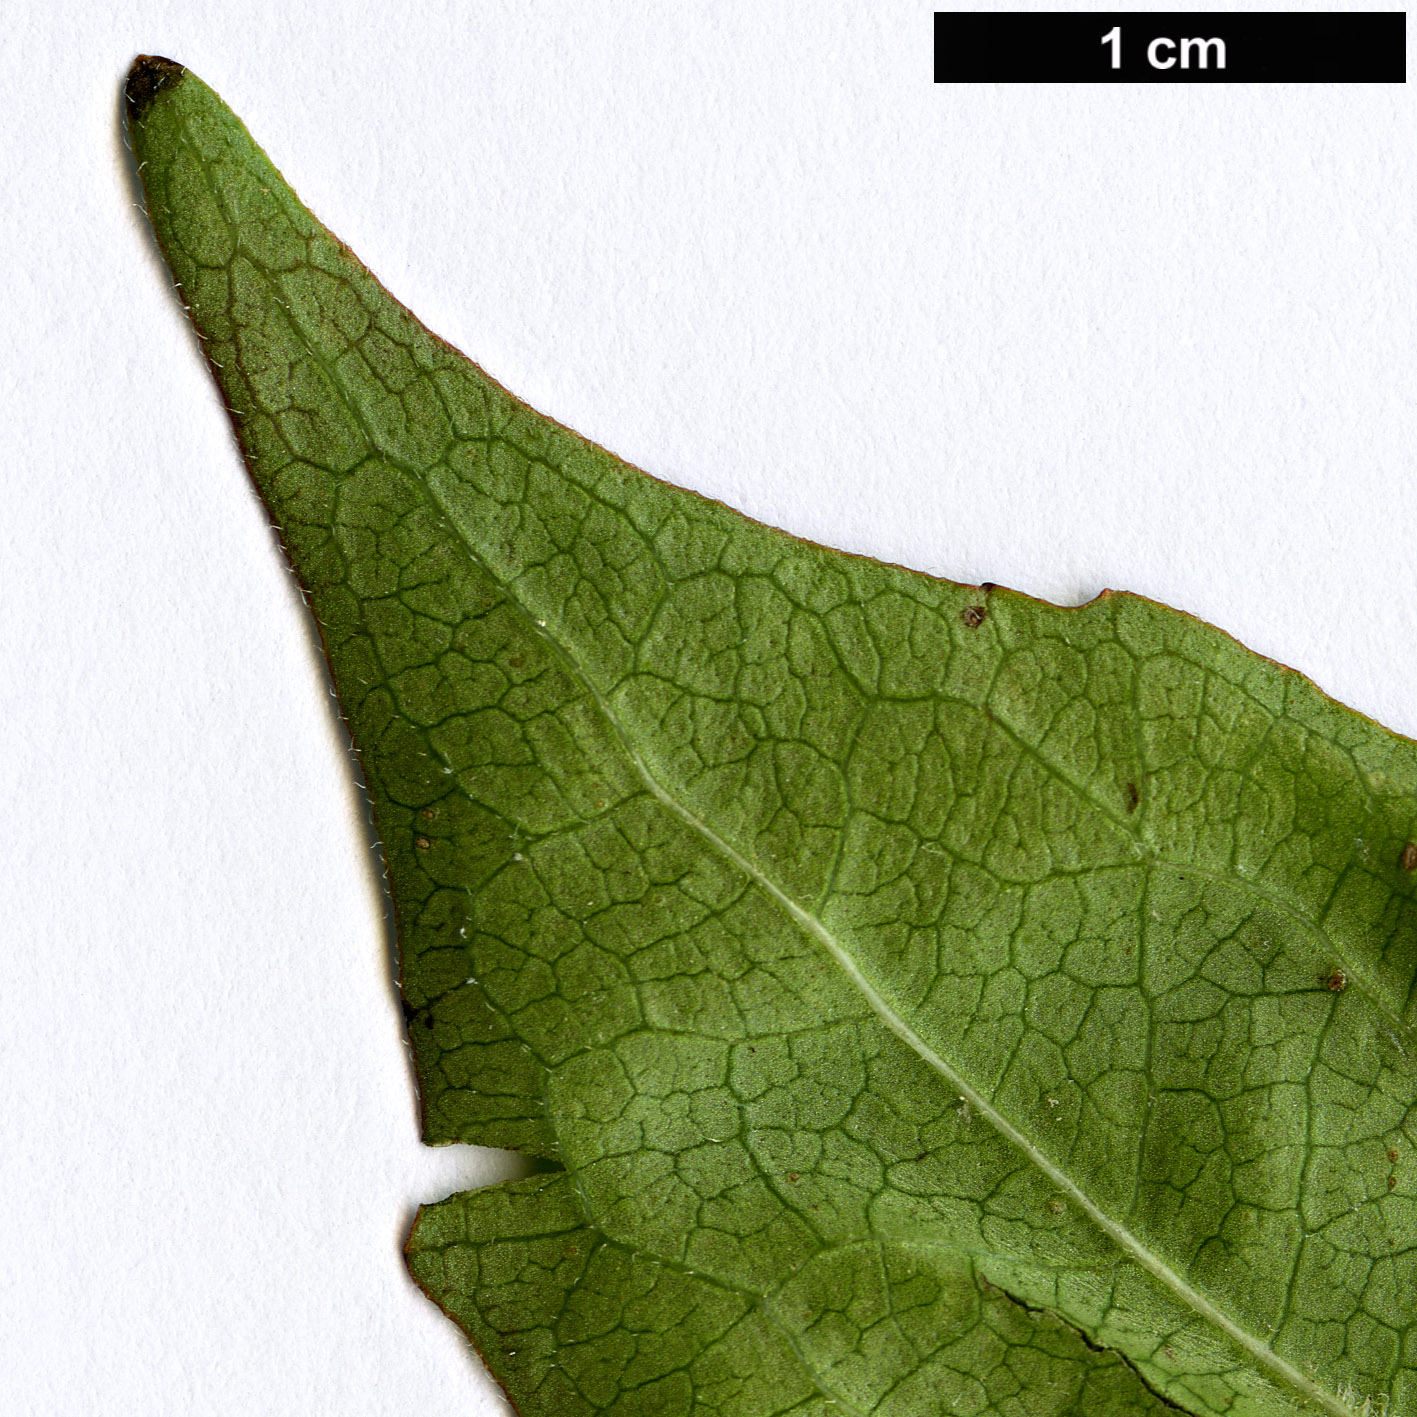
(148, 77)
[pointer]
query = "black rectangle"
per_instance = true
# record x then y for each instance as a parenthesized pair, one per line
(1155, 47)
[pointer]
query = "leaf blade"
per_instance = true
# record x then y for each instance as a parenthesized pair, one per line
(619, 740)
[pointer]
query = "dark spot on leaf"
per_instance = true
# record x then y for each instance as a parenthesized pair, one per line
(422, 843)
(1392, 1154)
(1391, 1182)
(1133, 797)
(1336, 982)
(148, 77)
(973, 616)
(792, 1176)
(428, 813)
(1409, 857)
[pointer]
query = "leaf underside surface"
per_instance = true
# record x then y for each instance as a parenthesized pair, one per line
(925, 1000)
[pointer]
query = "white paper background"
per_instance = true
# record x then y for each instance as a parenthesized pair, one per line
(1059, 338)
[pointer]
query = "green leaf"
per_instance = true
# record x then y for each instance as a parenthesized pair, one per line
(922, 999)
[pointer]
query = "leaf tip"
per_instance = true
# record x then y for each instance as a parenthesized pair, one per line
(148, 77)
